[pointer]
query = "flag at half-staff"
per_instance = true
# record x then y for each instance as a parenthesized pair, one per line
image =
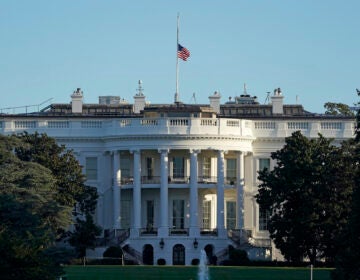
(183, 52)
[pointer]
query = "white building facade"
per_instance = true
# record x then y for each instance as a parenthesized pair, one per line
(177, 178)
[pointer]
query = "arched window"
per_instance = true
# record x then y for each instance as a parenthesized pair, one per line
(148, 254)
(179, 254)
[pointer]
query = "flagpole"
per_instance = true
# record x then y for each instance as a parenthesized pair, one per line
(177, 61)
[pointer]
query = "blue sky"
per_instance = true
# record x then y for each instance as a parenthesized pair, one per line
(311, 49)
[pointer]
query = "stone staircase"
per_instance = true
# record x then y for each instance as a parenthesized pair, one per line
(133, 255)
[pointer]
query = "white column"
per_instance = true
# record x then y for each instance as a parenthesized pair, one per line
(116, 190)
(164, 199)
(240, 184)
(137, 193)
(220, 195)
(194, 214)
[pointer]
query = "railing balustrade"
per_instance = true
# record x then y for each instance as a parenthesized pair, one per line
(148, 231)
(178, 180)
(178, 231)
(230, 181)
(127, 180)
(208, 232)
(207, 180)
(150, 179)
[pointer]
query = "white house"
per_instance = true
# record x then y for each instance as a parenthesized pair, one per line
(177, 178)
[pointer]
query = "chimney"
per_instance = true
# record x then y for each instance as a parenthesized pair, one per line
(139, 99)
(77, 101)
(277, 102)
(215, 101)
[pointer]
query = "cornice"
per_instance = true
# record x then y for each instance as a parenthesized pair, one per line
(270, 139)
(156, 137)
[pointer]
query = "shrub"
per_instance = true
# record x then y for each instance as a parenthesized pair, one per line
(238, 257)
(112, 255)
(213, 260)
(113, 252)
(195, 262)
(161, 261)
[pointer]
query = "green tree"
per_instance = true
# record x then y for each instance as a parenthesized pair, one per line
(41, 190)
(70, 185)
(337, 109)
(70, 182)
(30, 217)
(84, 236)
(348, 258)
(307, 194)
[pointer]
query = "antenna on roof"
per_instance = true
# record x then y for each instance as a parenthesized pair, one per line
(193, 98)
(267, 97)
(245, 92)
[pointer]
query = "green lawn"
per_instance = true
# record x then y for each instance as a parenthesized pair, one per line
(186, 273)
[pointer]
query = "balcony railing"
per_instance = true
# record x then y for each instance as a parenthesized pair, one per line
(230, 181)
(148, 231)
(179, 180)
(208, 232)
(150, 179)
(179, 231)
(207, 180)
(127, 180)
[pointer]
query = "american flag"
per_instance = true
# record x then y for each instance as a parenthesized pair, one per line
(183, 52)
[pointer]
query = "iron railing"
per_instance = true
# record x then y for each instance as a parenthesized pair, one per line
(208, 232)
(179, 231)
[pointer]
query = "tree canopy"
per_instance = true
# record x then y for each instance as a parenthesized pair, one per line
(348, 258)
(70, 182)
(30, 217)
(307, 194)
(337, 109)
(40, 185)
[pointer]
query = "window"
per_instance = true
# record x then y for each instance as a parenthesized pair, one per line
(231, 169)
(178, 167)
(91, 168)
(125, 213)
(230, 214)
(125, 166)
(207, 167)
(150, 214)
(179, 254)
(206, 217)
(178, 213)
(150, 167)
(264, 163)
(264, 216)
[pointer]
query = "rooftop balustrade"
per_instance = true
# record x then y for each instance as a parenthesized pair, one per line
(179, 126)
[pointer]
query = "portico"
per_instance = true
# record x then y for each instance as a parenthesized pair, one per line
(178, 205)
